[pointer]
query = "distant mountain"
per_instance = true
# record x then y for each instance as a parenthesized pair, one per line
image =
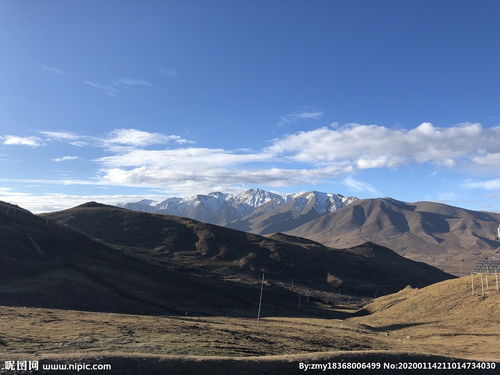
(255, 210)
(429, 232)
(192, 247)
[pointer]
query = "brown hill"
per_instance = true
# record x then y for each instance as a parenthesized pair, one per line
(193, 247)
(443, 313)
(47, 264)
(433, 233)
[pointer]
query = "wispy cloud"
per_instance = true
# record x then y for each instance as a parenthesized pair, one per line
(131, 82)
(73, 138)
(113, 89)
(52, 69)
(60, 136)
(116, 140)
(106, 89)
(297, 116)
(169, 72)
(359, 185)
(66, 158)
(12, 140)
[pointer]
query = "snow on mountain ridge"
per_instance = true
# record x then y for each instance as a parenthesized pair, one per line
(224, 208)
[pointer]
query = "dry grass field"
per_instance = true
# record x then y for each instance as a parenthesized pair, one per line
(427, 320)
(442, 319)
(34, 330)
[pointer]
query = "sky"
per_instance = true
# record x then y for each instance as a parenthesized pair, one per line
(121, 100)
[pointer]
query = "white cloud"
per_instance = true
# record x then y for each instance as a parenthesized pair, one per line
(21, 141)
(486, 185)
(66, 158)
(359, 185)
(188, 181)
(52, 69)
(378, 162)
(60, 136)
(491, 159)
(174, 181)
(184, 158)
(140, 138)
(189, 170)
(374, 146)
(294, 117)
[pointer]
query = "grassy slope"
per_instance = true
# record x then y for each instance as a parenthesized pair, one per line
(443, 318)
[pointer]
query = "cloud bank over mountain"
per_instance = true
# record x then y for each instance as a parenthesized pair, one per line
(152, 160)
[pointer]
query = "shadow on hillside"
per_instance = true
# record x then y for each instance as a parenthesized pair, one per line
(395, 327)
(316, 311)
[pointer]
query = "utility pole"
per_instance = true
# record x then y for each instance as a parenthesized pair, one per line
(260, 299)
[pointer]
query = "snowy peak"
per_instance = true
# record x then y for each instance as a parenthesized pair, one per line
(231, 209)
(321, 202)
(257, 197)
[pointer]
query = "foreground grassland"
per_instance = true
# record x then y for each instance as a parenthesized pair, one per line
(59, 331)
(441, 319)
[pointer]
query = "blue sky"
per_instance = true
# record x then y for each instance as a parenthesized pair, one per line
(118, 100)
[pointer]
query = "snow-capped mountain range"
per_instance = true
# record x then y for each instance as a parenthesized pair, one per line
(254, 210)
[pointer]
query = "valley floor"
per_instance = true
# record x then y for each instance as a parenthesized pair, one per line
(34, 330)
(391, 327)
